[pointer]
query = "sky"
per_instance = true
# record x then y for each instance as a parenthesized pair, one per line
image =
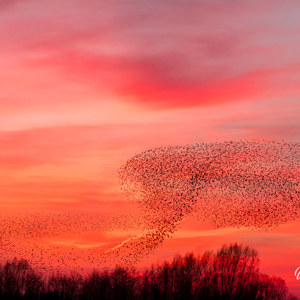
(85, 85)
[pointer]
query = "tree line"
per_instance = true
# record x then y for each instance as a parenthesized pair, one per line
(232, 272)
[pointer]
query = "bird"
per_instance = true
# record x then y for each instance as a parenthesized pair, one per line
(244, 183)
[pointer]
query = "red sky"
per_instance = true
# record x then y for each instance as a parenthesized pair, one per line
(85, 85)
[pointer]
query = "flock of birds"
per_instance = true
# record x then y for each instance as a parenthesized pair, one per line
(244, 183)
(54, 241)
(237, 184)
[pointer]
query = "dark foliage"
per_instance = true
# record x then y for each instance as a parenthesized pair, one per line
(231, 273)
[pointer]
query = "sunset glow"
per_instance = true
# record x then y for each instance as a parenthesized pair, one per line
(87, 85)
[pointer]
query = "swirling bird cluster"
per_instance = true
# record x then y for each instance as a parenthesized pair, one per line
(243, 183)
(252, 184)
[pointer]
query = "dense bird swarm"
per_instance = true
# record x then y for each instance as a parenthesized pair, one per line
(244, 183)
(250, 184)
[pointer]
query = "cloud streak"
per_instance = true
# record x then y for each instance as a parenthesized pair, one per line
(191, 55)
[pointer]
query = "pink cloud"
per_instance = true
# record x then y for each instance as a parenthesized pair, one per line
(151, 55)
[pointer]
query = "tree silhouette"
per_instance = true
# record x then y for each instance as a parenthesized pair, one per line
(231, 273)
(18, 280)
